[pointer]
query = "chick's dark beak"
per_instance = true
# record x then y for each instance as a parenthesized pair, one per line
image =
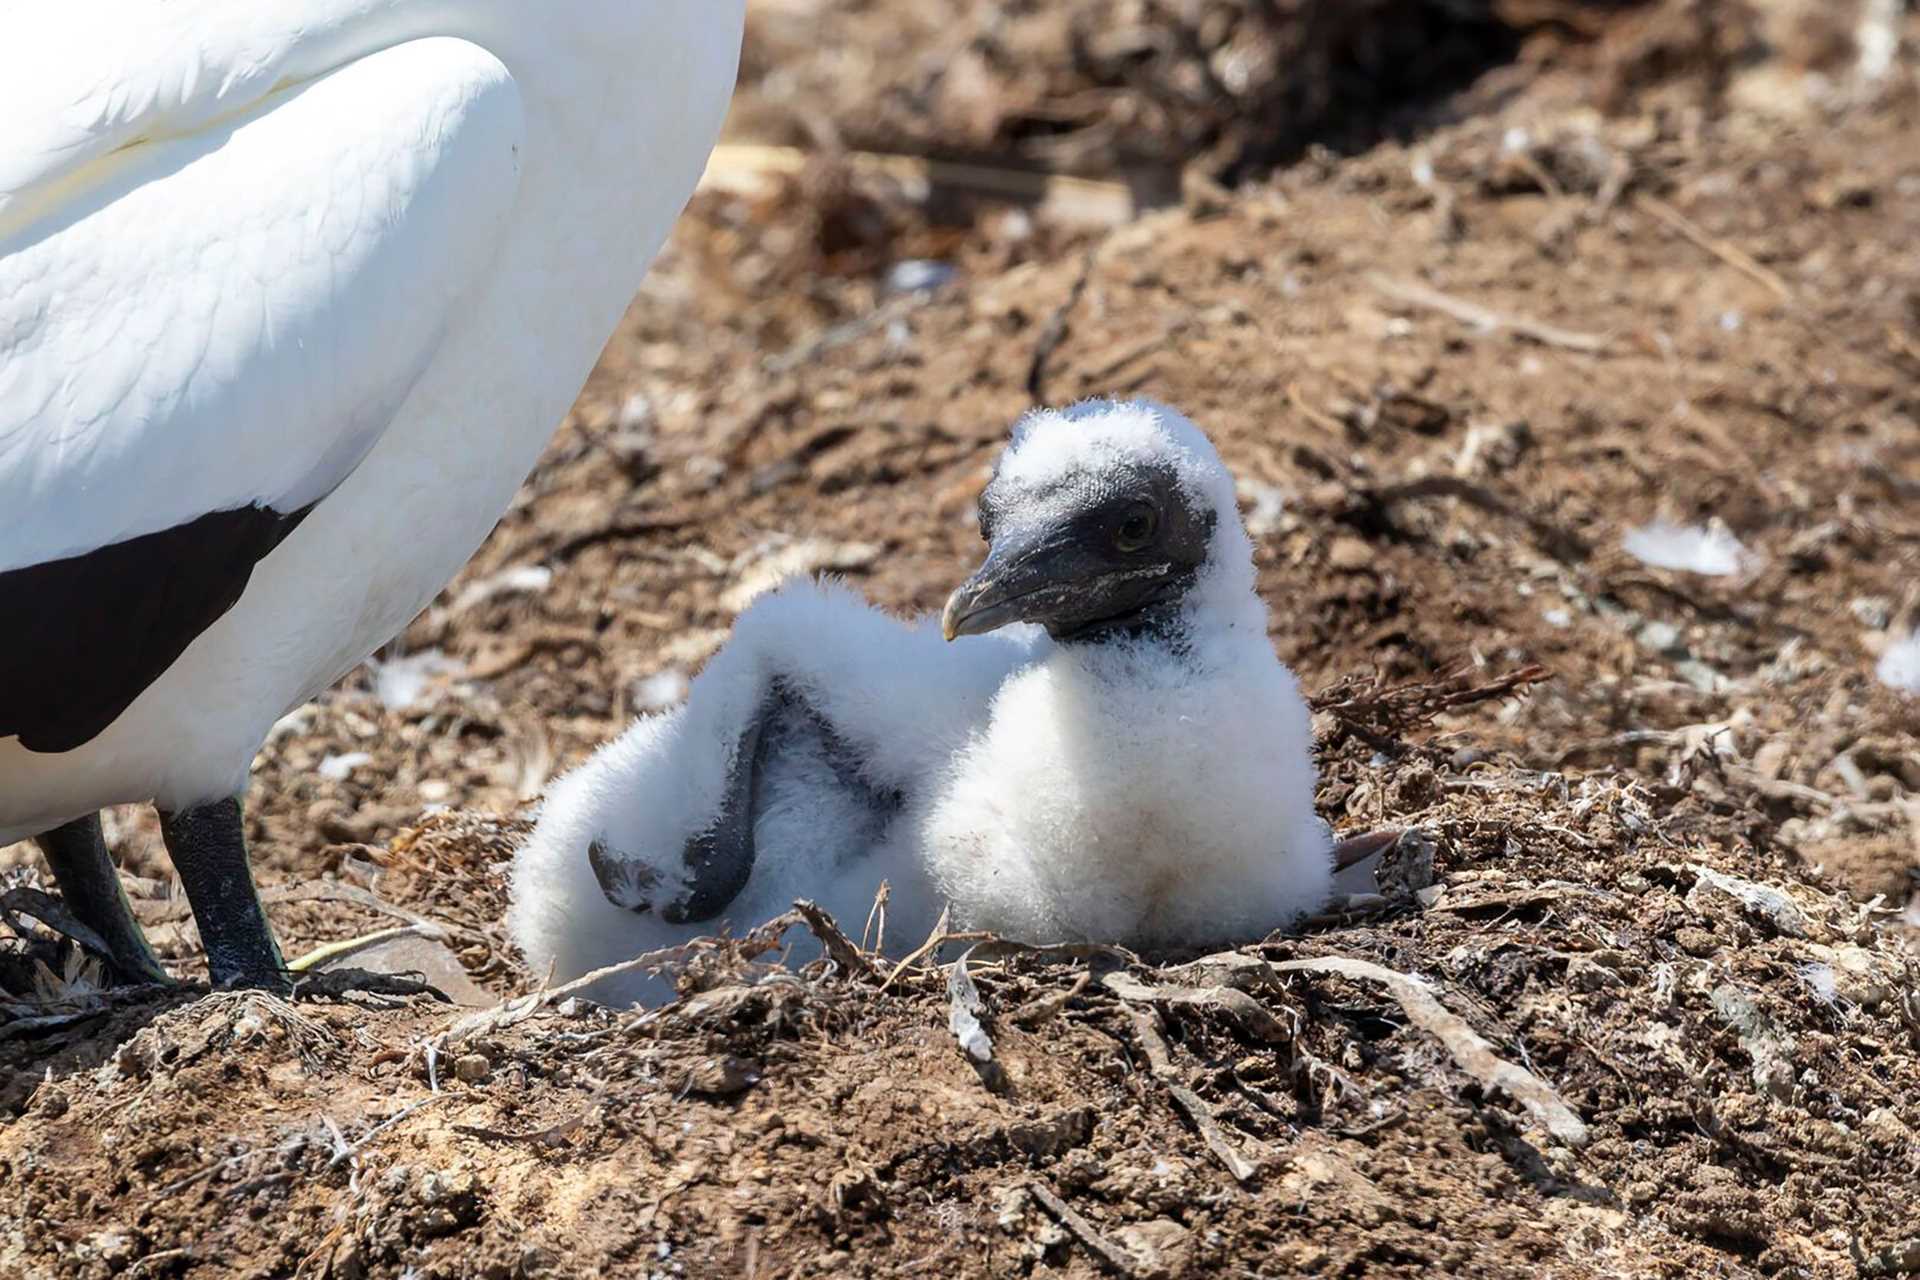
(1036, 578)
(976, 607)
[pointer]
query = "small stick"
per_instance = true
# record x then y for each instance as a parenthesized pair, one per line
(1253, 1017)
(207, 1171)
(520, 1008)
(551, 1136)
(1561, 544)
(1720, 249)
(1318, 416)
(1419, 295)
(1045, 1008)
(1382, 711)
(849, 331)
(1146, 1025)
(345, 1151)
(877, 910)
(934, 939)
(1146, 346)
(1055, 331)
(1469, 1049)
(329, 891)
(327, 952)
(838, 945)
(1194, 1107)
(1083, 1231)
(1104, 203)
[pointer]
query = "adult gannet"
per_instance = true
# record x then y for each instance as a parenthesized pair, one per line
(1110, 750)
(291, 295)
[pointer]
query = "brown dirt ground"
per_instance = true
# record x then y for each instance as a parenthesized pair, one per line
(1646, 272)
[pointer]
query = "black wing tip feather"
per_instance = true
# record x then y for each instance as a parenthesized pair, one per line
(82, 637)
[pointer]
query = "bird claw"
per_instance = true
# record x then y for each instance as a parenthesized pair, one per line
(626, 883)
(54, 915)
(338, 983)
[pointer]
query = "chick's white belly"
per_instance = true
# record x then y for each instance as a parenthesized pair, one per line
(1140, 816)
(365, 561)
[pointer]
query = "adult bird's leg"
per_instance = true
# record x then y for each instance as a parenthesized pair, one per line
(209, 849)
(83, 869)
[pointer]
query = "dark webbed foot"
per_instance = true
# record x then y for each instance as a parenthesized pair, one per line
(719, 860)
(83, 869)
(209, 849)
(337, 983)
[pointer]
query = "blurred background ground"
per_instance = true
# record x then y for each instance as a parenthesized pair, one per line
(1465, 291)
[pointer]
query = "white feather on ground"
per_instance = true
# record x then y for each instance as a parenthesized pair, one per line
(1900, 664)
(1143, 790)
(1709, 550)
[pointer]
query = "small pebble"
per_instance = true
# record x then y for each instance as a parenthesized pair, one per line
(1350, 555)
(1696, 942)
(918, 274)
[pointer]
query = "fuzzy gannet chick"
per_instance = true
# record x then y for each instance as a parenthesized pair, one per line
(1109, 751)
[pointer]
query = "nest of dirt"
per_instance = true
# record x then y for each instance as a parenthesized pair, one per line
(1583, 1028)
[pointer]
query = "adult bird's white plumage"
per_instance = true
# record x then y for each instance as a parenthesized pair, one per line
(1111, 751)
(291, 295)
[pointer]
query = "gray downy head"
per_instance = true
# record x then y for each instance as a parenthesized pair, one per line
(1102, 553)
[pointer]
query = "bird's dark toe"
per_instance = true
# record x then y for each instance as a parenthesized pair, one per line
(342, 982)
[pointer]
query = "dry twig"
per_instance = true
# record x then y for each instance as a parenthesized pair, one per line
(1055, 331)
(1146, 1028)
(938, 936)
(519, 1009)
(1045, 1008)
(553, 1136)
(1085, 1232)
(1469, 1049)
(345, 1151)
(1087, 201)
(1249, 1014)
(1414, 294)
(839, 946)
(1562, 544)
(1727, 253)
(1381, 714)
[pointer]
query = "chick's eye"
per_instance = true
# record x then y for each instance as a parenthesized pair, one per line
(1136, 530)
